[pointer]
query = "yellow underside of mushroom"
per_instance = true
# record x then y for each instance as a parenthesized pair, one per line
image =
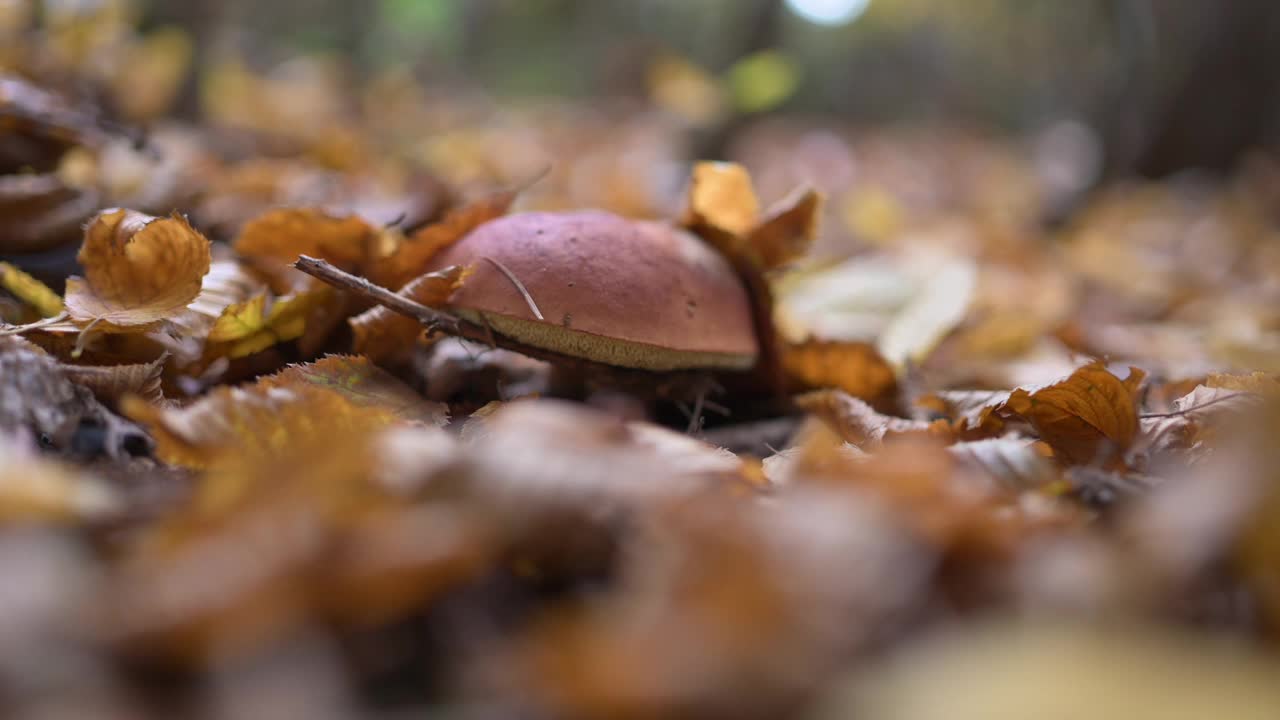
(610, 351)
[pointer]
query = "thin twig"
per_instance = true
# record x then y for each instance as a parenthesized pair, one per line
(695, 418)
(519, 286)
(430, 317)
(755, 437)
(1201, 406)
(397, 221)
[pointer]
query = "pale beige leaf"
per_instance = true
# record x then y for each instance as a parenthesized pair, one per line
(857, 422)
(1013, 463)
(109, 383)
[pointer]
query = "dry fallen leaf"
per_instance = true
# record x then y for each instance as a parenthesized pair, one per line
(973, 412)
(1013, 464)
(787, 231)
(276, 238)
(858, 423)
(243, 421)
(1090, 417)
(138, 269)
(109, 383)
(722, 198)
(363, 384)
(856, 368)
(250, 326)
(236, 565)
(1192, 417)
(1258, 382)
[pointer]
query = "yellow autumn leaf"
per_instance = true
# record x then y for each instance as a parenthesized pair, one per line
(721, 197)
(251, 326)
(30, 290)
(138, 269)
(240, 320)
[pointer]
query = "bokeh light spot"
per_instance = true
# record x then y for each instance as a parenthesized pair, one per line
(828, 12)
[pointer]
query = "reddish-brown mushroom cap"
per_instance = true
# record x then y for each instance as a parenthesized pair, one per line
(623, 292)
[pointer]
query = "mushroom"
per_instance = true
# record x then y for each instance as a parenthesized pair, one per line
(590, 284)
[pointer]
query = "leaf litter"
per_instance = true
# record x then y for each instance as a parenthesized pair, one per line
(976, 436)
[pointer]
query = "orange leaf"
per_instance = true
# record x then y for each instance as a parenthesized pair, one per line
(381, 333)
(855, 368)
(280, 236)
(787, 232)
(138, 269)
(721, 197)
(1089, 416)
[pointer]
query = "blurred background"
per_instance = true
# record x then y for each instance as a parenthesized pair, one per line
(1125, 146)
(479, 88)
(1163, 84)
(1011, 186)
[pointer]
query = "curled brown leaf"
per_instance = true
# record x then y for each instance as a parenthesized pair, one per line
(138, 269)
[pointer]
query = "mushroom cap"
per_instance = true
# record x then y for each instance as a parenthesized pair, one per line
(623, 292)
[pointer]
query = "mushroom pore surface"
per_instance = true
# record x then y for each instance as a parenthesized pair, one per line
(623, 292)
